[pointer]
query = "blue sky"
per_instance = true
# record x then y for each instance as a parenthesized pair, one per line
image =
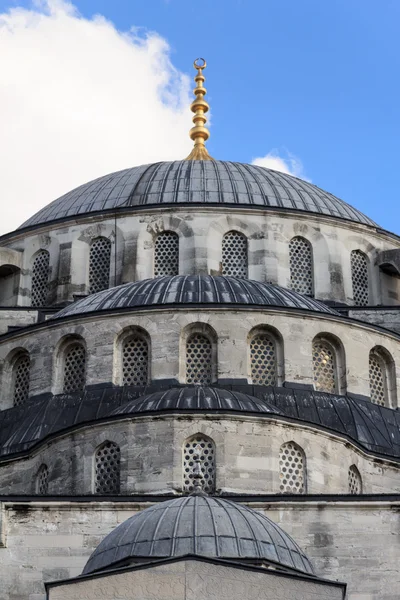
(312, 78)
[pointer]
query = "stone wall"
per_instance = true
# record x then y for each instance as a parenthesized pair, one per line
(357, 542)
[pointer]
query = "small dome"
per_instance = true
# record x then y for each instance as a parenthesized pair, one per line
(193, 398)
(196, 182)
(200, 526)
(192, 289)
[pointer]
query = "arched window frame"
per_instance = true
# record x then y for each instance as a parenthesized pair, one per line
(122, 339)
(40, 281)
(306, 285)
(275, 337)
(286, 468)
(42, 480)
(109, 487)
(235, 268)
(208, 455)
(17, 399)
(337, 349)
(354, 481)
(386, 362)
(159, 269)
(210, 334)
(97, 283)
(64, 346)
(357, 291)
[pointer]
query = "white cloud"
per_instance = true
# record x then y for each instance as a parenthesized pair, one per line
(289, 164)
(79, 99)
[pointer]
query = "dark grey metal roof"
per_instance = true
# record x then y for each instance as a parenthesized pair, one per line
(199, 526)
(196, 398)
(374, 428)
(192, 289)
(196, 182)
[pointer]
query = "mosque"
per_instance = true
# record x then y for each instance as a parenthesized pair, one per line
(199, 370)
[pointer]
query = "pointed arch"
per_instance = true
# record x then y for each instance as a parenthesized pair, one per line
(328, 364)
(292, 469)
(107, 468)
(301, 266)
(99, 264)
(199, 357)
(265, 356)
(359, 277)
(42, 481)
(381, 377)
(203, 447)
(354, 481)
(234, 254)
(72, 365)
(20, 380)
(40, 278)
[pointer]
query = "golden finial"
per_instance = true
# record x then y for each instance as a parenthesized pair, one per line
(199, 134)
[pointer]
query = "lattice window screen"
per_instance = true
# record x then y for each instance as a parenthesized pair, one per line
(198, 359)
(300, 256)
(377, 379)
(205, 450)
(292, 469)
(21, 376)
(263, 360)
(107, 469)
(234, 254)
(166, 254)
(40, 278)
(355, 481)
(99, 265)
(359, 277)
(324, 362)
(74, 368)
(135, 361)
(42, 481)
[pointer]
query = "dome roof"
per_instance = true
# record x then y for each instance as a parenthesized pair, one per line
(196, 398)
(184, 182)
(192, 289)
(200, 526)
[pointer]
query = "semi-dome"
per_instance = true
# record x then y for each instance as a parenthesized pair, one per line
(193, 290)
(196, 182)
(192, 398)
(199, 526)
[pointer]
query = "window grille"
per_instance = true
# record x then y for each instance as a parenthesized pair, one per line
(21, 376)
(135, 361)
(324, 362)
(198, 359)
(292, 469)
(99, 265)
(40, 277)
(263, 360)
(300, 256)
(234, 254)
(377, 379)
(359, 277)
(355, 482)
(74, 368)
(107, 469)
(204, 448)
(42, 481)
(166, 254)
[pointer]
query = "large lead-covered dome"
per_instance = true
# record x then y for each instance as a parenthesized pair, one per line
(198, 182)
(199, 526)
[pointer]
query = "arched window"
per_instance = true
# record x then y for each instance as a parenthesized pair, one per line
(355, 481)
(99, 265)
(107, 469)
(199, 356)
(135, 361)
(325, 366)
(263, 359)
(199, 450)
(40, 278)
(42, 481)
(74, 372)
(21, 378)
(359, 277)
(378, 377)
(292, 469)
(234, 254)
(301, 266)
(166, 254)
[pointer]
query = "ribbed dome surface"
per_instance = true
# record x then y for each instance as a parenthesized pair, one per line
(201, 526)
(196, 183)
(196, 398)
(192, 289)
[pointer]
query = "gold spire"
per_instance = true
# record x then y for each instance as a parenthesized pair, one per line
(199, 134)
